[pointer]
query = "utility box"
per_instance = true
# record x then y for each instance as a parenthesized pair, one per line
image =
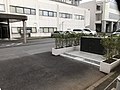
(92, 45)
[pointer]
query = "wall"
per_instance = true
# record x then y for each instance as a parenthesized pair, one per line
(92, 8)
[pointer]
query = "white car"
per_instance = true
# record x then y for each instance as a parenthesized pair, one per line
(117, 32)
(88, 31)
(78, 30)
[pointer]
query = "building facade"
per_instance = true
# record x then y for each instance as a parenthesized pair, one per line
(104, 15)
(44, 16)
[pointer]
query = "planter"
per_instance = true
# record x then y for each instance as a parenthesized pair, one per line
(106, 67)
(63, 50)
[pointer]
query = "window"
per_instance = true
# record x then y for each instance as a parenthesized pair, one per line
(26, 10)
(79, 17)
(12, 9)
(47, 13)
(66, 15)
(47, 29)
(82, 17)
(15, 30)
(98, 17)
(55, 29)
(22, 10)
(55, 14)
(33, 12)
(87, 30)
(51, 14)
(118, 30)
(29, 29)
(19, 10)
(51, 30)
(77, 30)
(98, 8)
(41, 13)
(41, 30)
(2, 7)
(34, 30)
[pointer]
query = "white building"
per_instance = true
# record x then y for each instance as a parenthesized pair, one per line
(44, 16)
(104, 15)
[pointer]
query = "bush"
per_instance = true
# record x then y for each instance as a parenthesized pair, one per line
(110, 47)
(67, 40)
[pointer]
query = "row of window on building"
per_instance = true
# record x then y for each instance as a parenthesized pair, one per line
(61, 15)
(22, 10)
(16, 30)
(73, 2)
(31, 11)
(19, 30)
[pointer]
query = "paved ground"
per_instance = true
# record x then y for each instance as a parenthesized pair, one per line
(32, 47)
(30, 41)
(46, 72)
(87, 55)
(110, 82)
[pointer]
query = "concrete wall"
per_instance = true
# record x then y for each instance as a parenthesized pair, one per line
(92, 8)
(112, 13)
(109, 13)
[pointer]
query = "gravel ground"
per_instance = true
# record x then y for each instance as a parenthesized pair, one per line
(47, 72)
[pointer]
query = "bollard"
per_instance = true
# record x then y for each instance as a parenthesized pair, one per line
(118, 83)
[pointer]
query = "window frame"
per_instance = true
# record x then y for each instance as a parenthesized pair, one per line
(43, 28)
(28, 9)
(3, 7)
(65, 15)
(79, 17)
(16, 29)
(31, 11)
(21, 8)
(42, 13)
(45, 13)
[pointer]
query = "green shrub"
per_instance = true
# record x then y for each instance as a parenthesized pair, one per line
(110, 46)
(67, 40)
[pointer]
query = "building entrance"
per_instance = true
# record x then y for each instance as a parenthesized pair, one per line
(4, 31)
(6, 19)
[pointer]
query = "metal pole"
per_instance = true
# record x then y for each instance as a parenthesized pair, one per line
(58, 17)
(24, 32)
(118, 23)
(62, 25)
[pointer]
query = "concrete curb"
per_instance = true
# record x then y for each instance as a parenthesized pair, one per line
(92, 87)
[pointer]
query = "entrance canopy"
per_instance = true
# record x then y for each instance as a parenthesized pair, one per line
(4, 17)
(10, 18)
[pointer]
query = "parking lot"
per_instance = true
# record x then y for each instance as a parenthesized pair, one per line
(46, 72)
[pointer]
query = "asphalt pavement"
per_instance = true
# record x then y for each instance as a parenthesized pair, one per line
(31, 66)
(30, 48)
(46, 72)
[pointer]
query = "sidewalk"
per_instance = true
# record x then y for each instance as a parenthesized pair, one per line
(108, 82)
